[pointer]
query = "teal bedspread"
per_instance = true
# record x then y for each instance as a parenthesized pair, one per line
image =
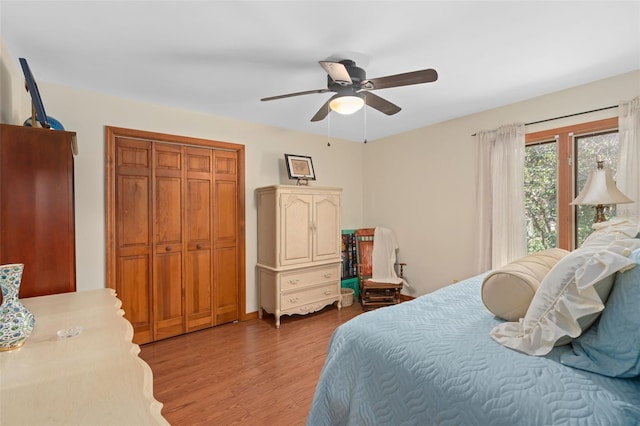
(431, 361)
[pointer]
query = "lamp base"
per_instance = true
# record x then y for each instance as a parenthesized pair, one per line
(600, 213)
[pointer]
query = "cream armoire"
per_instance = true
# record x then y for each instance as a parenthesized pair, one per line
(299, 241)
(175, 212)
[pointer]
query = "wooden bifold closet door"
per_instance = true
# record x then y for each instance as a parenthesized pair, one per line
(176, 232)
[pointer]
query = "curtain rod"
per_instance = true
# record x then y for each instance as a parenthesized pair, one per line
(565, 116)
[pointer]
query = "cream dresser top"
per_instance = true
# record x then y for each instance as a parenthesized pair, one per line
(94, 378)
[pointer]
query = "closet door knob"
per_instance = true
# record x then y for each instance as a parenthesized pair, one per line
(168, 248)
(199, 246)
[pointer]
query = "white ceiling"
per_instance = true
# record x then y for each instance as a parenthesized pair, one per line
(221, 57)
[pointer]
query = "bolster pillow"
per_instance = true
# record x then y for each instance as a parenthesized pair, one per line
(508, 290)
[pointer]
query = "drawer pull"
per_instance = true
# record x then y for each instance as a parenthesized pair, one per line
(327, 292)
(293, 299)
(168, 248)
(328, 275)
(293, 282)
(199, 246)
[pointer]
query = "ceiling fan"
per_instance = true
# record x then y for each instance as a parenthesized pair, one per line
(353, 89)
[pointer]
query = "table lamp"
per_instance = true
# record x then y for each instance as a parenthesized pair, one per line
(600, 190)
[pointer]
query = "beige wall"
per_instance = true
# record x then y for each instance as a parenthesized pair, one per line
(422, 183)
(87, 113)
(15, 104)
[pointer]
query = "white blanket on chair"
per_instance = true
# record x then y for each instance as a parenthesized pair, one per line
(383, 256)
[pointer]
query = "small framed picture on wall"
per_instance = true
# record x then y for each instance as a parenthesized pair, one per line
(299, 167)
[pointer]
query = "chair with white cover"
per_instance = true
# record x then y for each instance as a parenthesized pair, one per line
(380, 276)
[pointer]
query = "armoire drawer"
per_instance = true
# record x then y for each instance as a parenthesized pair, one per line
(307, 277)
(313, 294)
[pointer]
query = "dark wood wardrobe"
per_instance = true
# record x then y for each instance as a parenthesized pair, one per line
(37, 223)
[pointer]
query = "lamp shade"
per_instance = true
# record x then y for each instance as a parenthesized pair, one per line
(346, 104)
(600, 188)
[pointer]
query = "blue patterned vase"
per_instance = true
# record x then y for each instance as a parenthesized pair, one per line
(16, 321)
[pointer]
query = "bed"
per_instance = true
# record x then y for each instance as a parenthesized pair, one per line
(431, 361)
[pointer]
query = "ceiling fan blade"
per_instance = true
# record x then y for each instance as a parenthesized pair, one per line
(322, 112)
(308, 92)
(337, 71)
(381, 104)
(404, 79)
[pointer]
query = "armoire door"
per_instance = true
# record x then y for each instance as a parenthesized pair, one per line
(296, 228)
(326, 227)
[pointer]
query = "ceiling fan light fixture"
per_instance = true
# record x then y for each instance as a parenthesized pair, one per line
(346, 104)
(353, 90)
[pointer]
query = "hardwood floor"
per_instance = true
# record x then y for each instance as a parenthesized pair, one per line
(248, 373)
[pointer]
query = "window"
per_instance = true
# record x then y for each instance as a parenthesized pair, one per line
(557, 163)
(588, 150)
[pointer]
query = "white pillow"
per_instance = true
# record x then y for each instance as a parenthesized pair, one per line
(574, 289)
(507, 291)
(617, 229)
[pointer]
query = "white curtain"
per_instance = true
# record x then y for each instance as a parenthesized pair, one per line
(500, 197)
(628, 173)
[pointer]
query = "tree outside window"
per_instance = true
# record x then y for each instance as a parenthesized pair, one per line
(540, 195)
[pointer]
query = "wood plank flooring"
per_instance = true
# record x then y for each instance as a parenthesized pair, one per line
(248, 373)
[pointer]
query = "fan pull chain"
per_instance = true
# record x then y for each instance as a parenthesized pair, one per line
(328, 126)
(365, 119)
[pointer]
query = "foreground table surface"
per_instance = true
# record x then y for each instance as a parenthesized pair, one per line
(93, 378)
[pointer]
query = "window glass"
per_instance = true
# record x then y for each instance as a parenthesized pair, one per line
(588, 151)
(540, 192)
